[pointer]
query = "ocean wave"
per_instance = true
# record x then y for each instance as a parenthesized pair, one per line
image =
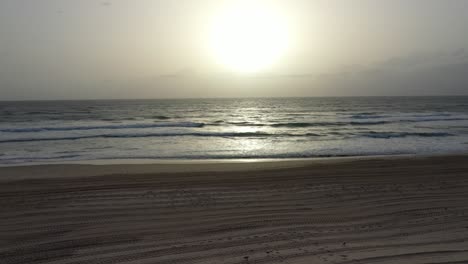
(161, 117)
(41, 113)
(147, 135)
(430, 119)
(366, 115)
(39, 158)
(293, 155)
(246, 124)
(415, 119)
(122, 126)
(386, 135)
(325, 124)
(116, 125)
(258, 134)
(298, 124)
(432, 115)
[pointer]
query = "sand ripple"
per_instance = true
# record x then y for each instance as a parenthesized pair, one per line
(376, 211)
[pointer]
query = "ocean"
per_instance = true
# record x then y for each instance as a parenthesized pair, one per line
(252, 128)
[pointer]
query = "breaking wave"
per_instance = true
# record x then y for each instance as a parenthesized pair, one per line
(403, 134)
(123, 126)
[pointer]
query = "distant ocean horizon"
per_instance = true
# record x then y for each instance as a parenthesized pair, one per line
(235, 128)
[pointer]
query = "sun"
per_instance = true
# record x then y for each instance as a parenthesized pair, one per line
(248, 37)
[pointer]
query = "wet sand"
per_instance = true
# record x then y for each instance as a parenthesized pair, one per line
(378, 210)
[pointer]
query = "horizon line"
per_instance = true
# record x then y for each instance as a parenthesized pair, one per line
(247, 97)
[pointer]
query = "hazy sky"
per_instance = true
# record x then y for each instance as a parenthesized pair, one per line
(69, 49)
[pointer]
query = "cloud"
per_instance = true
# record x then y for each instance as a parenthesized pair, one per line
(182, 73)
(459, 52)
(416, 74)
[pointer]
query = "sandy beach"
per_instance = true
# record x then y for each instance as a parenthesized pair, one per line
(374, 210)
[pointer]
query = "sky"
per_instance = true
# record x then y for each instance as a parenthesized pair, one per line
(129, 49)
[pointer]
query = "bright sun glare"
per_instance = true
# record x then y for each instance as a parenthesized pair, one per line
(248, 37)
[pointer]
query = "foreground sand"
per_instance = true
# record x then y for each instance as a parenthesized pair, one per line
(400, 210)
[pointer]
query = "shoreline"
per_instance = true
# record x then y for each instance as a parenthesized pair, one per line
(125, 167)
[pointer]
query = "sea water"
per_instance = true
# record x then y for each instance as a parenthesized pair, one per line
(249, 128)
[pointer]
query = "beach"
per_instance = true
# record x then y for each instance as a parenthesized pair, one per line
(369, 210)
